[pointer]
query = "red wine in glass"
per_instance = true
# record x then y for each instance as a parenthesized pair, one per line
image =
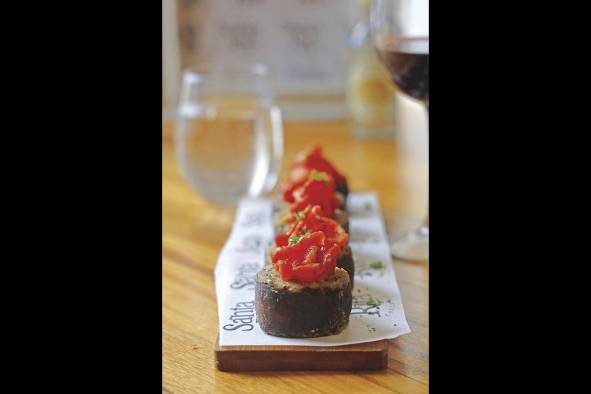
(407, 60)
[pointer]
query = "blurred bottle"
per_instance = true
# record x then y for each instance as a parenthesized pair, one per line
(370, 93)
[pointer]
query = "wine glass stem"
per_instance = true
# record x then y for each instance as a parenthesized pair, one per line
(424, 229)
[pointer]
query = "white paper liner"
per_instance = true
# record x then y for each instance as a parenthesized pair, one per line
(377, 311)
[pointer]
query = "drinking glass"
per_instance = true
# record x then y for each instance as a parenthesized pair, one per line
(400, 34)
(229, 133)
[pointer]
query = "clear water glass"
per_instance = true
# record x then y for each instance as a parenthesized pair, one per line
(229, 132)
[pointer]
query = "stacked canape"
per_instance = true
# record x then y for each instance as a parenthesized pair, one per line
(306, 290)
(305, 162)
(313, 180)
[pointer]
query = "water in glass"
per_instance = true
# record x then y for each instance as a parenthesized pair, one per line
(229, 145)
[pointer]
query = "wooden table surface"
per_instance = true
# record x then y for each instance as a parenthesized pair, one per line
(194, 233)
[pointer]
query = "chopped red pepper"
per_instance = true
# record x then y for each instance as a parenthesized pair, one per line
(297, 177)
(311, 159)
(311, 220)
(282, 239)
(317, 190)
(309, 259)
(314, 160)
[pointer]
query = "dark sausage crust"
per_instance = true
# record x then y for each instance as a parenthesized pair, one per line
(342, 200)
(342, 187)
(342, 218)
(345, 261)
(288, 309)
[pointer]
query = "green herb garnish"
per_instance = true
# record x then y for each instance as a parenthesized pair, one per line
(376, 264)
(372, 302)
(319, 176)
(293, 240)
(300, 215)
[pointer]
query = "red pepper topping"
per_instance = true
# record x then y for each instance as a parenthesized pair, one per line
(311, 159)
(307, 260)
(308, 221)
(317, 190)
(314, 159)
(297, 177)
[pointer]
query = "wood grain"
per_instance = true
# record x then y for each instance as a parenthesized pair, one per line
(194, 232)
(363, 356)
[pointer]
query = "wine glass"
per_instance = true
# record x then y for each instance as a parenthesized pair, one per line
(400, 34)
(229, 133)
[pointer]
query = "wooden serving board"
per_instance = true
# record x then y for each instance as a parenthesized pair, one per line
(363, 356)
